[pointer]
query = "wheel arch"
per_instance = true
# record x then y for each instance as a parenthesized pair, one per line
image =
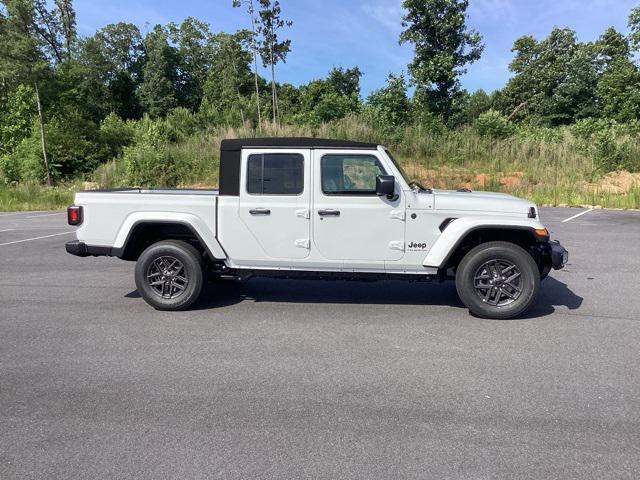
(459, 237)
(145, 232)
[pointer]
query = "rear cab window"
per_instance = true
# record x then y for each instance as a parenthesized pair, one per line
(275, 174)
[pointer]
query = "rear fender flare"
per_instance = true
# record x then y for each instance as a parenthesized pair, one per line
(201, 230)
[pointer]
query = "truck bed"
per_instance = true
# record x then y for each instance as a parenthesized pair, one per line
(162, 191)
(109, 215)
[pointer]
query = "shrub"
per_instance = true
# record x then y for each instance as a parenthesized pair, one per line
(150, 165)
(612, 145)
(541, 134)
(10, 169)
(332, 106)
(389, 107)
(612, 154)
(493, 124)
(25, 162)
(115, 134)
(180, 123)
(585, 129)
(73, 144)
(17, 118)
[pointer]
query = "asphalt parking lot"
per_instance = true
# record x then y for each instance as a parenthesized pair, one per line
(285, 379)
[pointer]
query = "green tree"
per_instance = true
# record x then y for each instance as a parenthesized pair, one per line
(331, 98)
(479, 102)
(228, 86)
(113, 57)
(272, 50)
(119, 46)
(194, 48)
(574, 98)
(158, 92)
(551, 78)
(345, 81)
(67, 21)
(610, 46)
(24, 53)
(289, 101)
(634, 29)
(618, 91)
(56, 27)
(253, 43)
(493, 124)
(467, 107)
(17, 118)
(390, 106)
(443, 46)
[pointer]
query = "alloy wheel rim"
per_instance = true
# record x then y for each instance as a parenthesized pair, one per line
(498, 282)
(167, 277)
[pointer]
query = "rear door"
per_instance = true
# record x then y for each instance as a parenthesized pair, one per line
(350, 222)
(275, 201)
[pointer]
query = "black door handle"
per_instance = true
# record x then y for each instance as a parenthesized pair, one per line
(260, 211)
(329, 213)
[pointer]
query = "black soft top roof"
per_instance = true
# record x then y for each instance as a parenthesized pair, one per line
(237, 144)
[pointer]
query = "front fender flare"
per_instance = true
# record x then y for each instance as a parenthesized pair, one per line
(458, 229)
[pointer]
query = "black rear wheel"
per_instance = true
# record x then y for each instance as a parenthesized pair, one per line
(498, 280)
(169, 275)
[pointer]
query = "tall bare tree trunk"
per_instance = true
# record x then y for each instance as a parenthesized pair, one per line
(235, 70)
(274, 98)
(255, 64)
(275, 94)
(42, 136)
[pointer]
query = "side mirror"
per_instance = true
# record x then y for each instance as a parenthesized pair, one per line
(385, 185)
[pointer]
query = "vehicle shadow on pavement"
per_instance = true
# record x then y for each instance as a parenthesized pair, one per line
(554, 293)
(327, 291)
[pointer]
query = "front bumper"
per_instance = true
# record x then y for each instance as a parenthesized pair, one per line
(559, 255)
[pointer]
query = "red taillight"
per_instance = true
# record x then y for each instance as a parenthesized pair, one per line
(74, 215)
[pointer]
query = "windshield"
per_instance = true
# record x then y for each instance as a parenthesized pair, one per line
(412, 183)
(398, 166)
(400, 169)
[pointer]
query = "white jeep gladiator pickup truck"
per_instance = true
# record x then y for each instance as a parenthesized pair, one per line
(316, 208)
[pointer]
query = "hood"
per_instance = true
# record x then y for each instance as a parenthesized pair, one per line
(485, 202)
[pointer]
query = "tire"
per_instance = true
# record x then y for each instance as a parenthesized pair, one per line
(169, 275)
(498, 280)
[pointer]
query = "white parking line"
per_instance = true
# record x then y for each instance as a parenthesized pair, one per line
(45, 215)
(36, 238)
(11, 214)
(578, 215)
(7, 230)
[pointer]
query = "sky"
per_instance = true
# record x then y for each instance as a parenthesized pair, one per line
(345, 33)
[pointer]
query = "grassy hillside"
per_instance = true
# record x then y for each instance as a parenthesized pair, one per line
(587, 164)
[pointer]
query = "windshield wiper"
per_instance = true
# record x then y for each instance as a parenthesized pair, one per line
(419, 186)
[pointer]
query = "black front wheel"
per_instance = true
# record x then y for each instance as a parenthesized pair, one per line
(169, 275)
(498, 280)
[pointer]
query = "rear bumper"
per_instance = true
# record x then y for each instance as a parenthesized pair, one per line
(81, 249)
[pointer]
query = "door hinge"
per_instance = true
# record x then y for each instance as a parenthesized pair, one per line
(303, 214)
(399, 245)
(303, 243)
(398, 215)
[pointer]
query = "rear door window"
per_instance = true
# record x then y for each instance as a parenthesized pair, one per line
(275, 174)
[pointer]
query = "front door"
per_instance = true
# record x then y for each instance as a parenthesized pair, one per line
(275, 201)
(350, 222)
